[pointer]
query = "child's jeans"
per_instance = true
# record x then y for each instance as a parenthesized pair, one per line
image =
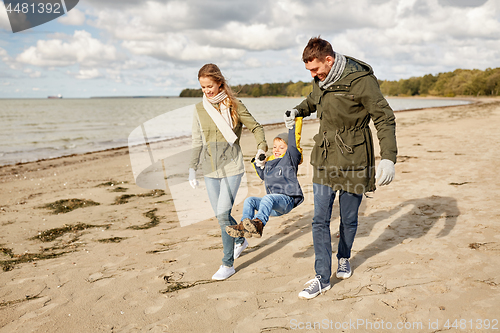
(269, 205)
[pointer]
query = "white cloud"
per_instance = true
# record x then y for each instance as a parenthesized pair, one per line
(253, 63)
(146, 21)
(86, 74)
(32, 74)
(425, 38)
(73, 17)
(4, 55)
(7, 59)
(134, 42)
(114, 74)
(81, 49)
(256, 37)
(203, 24)
(325, 17)
(180, 48)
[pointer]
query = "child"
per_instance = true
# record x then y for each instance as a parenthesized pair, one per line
(282, 186)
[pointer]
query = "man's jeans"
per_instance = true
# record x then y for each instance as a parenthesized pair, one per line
(269, 205)
(222, 192)
(323, 202)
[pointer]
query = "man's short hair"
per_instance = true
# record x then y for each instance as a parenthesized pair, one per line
(317, 48)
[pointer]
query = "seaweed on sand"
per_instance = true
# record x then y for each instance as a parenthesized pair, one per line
(52, 234)
(123, 199)
(154, 221)
(112, 240)
(175, 286)
(8, 265)
(68, 205)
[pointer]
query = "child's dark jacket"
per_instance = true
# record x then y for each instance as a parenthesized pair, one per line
(280, 174)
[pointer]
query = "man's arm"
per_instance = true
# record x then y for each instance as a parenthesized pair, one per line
(308, 105)
(382, 116)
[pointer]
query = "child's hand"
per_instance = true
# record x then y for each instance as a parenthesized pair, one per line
(289, 118)
(260, 158)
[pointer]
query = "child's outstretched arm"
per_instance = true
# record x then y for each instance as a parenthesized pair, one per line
(258, 170)
(294, 136)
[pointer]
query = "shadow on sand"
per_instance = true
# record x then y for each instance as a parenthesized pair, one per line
(420, 216)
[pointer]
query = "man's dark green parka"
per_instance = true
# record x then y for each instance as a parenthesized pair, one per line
(343, 155)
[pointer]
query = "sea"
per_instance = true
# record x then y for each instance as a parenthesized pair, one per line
(37, 129)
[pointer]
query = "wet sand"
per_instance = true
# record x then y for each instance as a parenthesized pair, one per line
(427, 252)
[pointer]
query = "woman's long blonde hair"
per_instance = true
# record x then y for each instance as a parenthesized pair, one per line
(213, 72)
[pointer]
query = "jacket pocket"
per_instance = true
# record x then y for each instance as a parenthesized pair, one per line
(319, 152)
(350, 151)
(349, 97)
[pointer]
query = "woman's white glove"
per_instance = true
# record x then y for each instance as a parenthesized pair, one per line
(385, 172)
(289, 118)
(259, 161)
(192, 178)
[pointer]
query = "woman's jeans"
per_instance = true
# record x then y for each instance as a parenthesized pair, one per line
(323, 203)
(269, 205)
(222, 192)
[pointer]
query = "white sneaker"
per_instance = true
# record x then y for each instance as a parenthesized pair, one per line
(223, 273)
(238, 248)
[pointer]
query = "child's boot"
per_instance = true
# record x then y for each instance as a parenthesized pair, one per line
(237, 230)
(255, 227)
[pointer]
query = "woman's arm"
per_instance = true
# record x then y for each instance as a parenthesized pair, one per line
(249, 121)
(197, 142)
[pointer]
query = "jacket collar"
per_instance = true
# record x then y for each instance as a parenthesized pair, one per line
(354, 69)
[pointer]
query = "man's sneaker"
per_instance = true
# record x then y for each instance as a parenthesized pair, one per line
(315, 288)
(238, 248)
(237, 230)
(254, 226)
(223, 273)
(344, 270)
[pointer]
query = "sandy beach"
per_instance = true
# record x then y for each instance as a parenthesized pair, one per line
(426, 257)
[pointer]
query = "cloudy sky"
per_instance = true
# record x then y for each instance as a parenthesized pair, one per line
(129, 47)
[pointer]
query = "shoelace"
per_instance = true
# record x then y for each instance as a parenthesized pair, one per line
(313, 283)
(343, 264)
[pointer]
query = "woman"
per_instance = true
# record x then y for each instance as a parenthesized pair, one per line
(217, 126)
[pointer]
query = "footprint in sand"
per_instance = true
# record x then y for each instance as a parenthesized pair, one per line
(155, 308)
(228, 301)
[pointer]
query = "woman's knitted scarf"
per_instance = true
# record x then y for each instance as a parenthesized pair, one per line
(335, 73)
(225, 111)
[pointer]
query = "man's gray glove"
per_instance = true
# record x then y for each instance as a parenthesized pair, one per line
(289, 118)
(385, 172)
(192, 178)
(260, 159)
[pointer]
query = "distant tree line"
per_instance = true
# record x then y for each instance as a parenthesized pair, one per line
(460, 82)
(288, 89)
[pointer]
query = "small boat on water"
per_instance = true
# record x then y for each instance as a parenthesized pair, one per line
(55, 97)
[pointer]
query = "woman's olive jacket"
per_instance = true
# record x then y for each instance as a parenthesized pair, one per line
(210, 150)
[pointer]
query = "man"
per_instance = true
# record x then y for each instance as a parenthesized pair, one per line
(345, 96)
